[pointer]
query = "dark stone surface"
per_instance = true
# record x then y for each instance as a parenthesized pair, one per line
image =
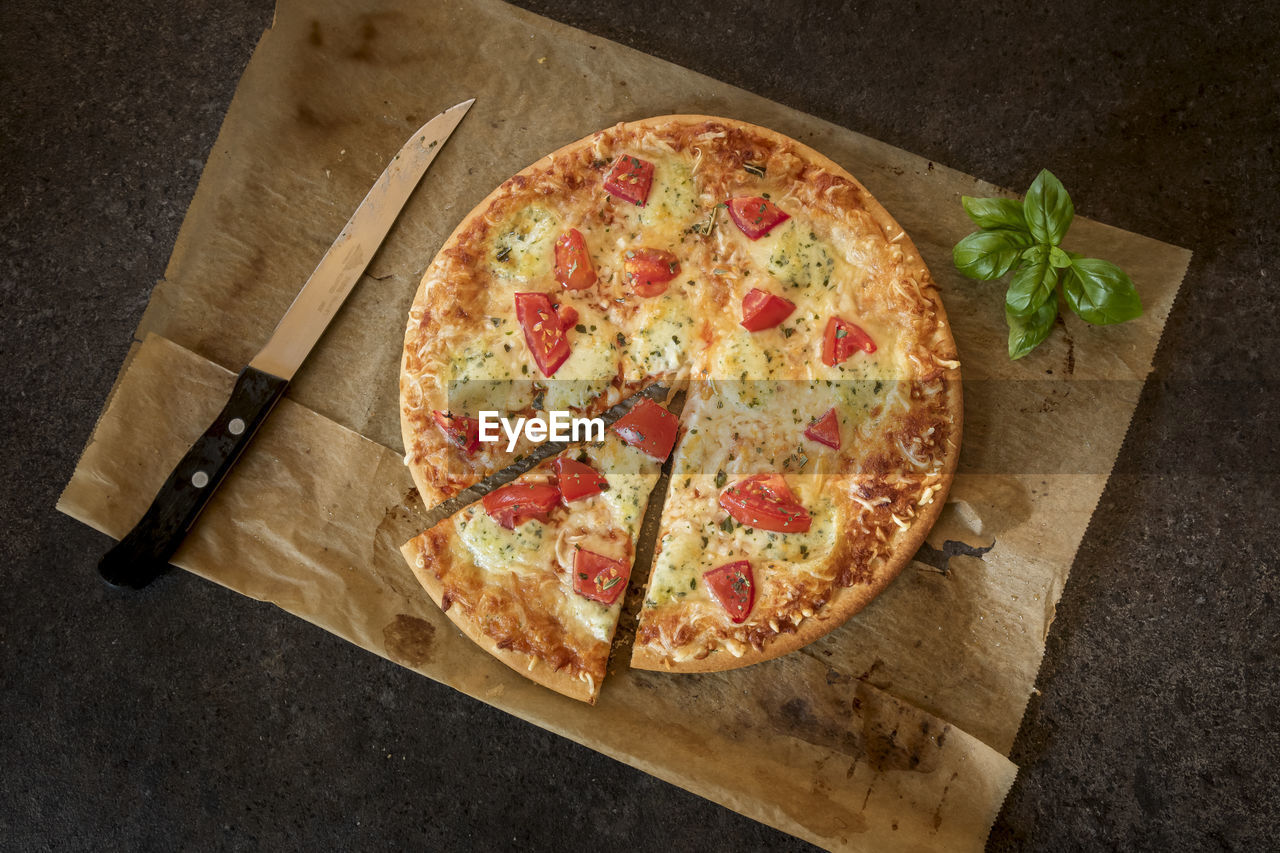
(188, 716)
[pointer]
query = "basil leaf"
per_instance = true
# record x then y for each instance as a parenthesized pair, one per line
(1060, 259)
(995, 212)
(1027, 333)
(1033, 283)
(1048, 208)
(1100, 292)
(985, 255)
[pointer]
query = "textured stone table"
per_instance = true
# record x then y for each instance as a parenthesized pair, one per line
(186, 715)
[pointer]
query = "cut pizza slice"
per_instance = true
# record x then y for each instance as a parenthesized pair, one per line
(820, 439)
(776, 530)
(536, 572)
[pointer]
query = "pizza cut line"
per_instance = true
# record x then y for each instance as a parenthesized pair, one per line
(821, 423)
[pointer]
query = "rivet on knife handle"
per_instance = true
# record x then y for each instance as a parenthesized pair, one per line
(144, 553)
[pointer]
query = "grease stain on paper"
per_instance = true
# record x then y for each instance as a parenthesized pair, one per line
(409, 641)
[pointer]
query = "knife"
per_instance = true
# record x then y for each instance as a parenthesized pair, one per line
(144, 552)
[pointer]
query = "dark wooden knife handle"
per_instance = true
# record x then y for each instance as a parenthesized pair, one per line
(144, 553)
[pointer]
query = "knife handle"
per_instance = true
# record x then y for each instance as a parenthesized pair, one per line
(144, 553)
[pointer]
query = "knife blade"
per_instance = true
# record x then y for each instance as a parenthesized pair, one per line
(144, 552)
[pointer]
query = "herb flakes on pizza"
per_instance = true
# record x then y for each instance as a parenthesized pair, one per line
(822, 419)
(536, 571)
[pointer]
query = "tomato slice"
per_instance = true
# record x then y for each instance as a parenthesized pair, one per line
(756, 216)
(842, 339)
(649, 270)
(733, 586)
(630, 179)
(543, 331)
(599, 578)
(762, 310)
(766, 503)
(577, 480)
(825, 430)
(462, 432)
(573, 262)
(567, 313)
(516, 503)
(649, 428)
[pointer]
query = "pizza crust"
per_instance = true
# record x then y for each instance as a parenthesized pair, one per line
(530, 666)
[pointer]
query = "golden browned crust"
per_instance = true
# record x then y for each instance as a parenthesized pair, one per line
(858, 569)
(428, 558)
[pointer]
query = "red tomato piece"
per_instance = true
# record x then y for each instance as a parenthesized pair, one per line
(462, 432)
(842, 339)
(599, 578)
(765, 502)
(543, 331)
(762, 310)
(567, 313)
(573, 262)
(516, 503)
(733, 586)
(630, 179)
(577, 479)
(756, 216)
(649, 428)
(649, 270)
(825, 430)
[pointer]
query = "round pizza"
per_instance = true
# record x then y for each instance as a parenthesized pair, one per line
(809, 452)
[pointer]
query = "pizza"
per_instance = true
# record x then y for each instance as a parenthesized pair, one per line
(536, 571)
(821, 415)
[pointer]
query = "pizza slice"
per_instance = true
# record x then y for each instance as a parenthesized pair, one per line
(819, 436)
(536, 572)
(791, 506)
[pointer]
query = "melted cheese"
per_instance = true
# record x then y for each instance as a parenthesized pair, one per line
(591, 366)
(799, 550)
(528, 549)
(663, 329)
(490, 372)
(606, 524)
(524, 244)
(596, 619)
(677, 571)
(673, 198)
(795, 255)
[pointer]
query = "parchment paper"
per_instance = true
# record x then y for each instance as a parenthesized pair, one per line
(887, 734)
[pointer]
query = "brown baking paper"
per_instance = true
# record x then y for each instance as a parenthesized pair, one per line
(889, 733)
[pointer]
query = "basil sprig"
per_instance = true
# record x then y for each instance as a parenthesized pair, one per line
(1025, 237)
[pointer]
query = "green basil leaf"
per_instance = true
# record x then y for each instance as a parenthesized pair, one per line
(1100, 292)
(995, 212)
(1033, 283)
(1048, 208)
(1027, 333)
(1060, 259)
(985, 255)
